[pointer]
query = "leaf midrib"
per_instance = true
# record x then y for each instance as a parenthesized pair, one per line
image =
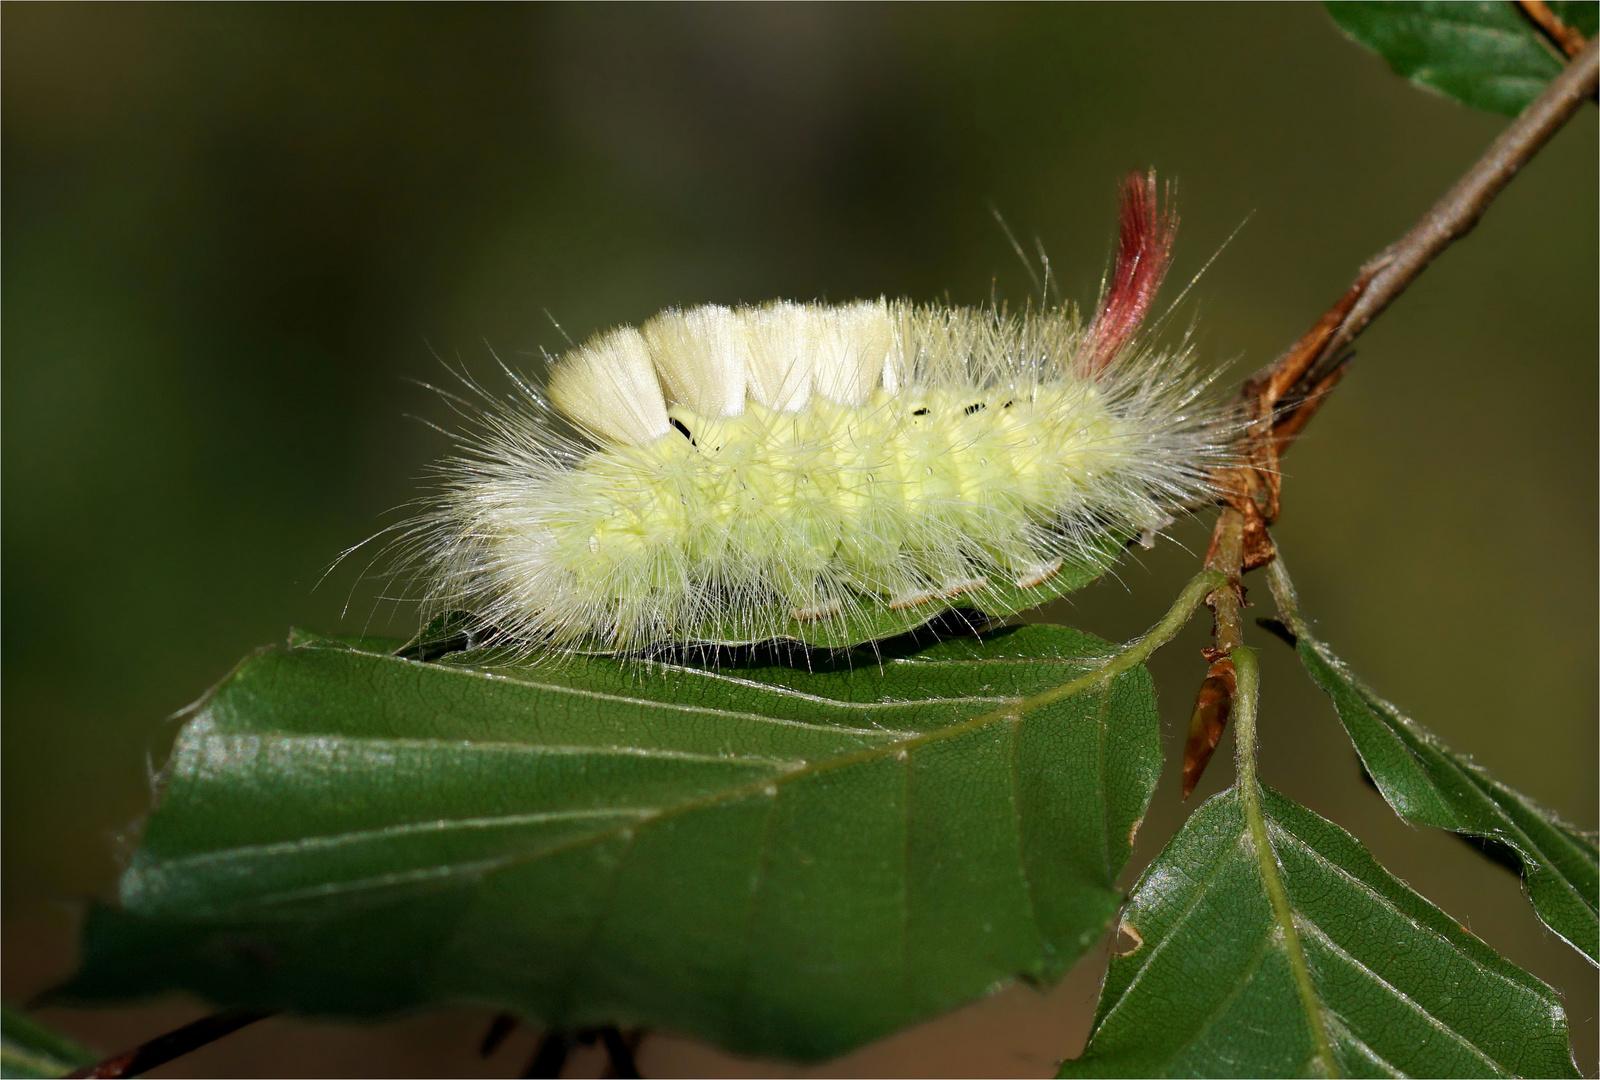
(1252, 810)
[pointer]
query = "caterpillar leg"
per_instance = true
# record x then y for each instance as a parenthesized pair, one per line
(951, 588)
(963, 585)
(817, 612)
(1038, 574)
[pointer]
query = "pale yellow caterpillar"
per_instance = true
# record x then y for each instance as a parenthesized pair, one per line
(827, 473)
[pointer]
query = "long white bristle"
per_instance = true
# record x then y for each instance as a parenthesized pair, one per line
(752, 467)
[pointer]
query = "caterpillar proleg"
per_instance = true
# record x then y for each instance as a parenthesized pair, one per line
(831, 473)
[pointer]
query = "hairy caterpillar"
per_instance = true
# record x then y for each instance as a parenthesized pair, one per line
(827, 473)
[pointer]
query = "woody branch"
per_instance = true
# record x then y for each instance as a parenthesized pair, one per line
(1282, 397)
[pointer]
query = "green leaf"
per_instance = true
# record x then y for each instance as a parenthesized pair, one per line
(1369, 977)
(1484, 54)
(784, 861)
(1428, 783)
(29, 1049)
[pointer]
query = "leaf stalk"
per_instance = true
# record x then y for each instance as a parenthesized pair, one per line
(1246, 699)
(1194, 593)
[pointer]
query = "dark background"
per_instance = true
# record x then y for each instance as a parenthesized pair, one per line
(232, 233)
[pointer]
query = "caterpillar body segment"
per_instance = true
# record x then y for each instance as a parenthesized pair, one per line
(830, 473)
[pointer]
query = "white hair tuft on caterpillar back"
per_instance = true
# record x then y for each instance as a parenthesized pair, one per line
(821, 472)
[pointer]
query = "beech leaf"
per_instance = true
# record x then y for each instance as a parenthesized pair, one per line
(1347, 972)
(1482, 53)
(1428, 783)
(783, 861)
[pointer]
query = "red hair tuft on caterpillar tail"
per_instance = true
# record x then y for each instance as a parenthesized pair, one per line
(1144, 253)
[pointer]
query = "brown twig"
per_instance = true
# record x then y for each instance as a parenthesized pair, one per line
(174, 1044)
(1562, 36)
(555, 1047)
(620, 1048)
(1281, 398)
(1226, 554)
(1454, 215)
(549, 1057)
(1213, 705)
(500, 1028)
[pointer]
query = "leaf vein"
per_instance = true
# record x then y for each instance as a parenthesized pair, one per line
(411, 828)
(1378, 899)
(1400, 995)
(600, 695)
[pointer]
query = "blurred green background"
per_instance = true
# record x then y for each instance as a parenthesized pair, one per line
(232, 234)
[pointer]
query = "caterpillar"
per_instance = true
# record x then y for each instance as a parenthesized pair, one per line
(827, 473)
